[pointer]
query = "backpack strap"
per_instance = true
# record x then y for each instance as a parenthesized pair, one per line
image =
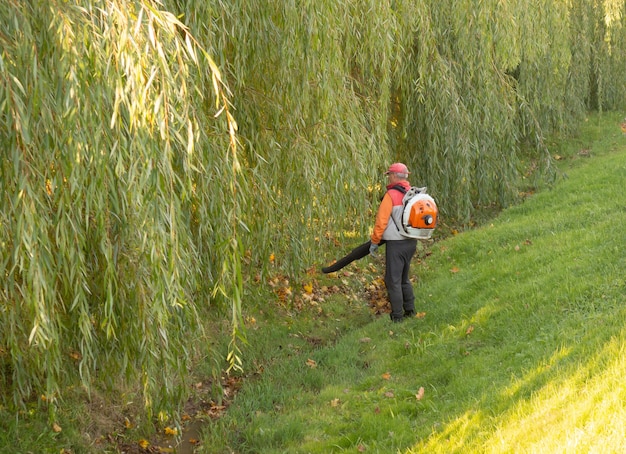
(402, 189)
(399, 187)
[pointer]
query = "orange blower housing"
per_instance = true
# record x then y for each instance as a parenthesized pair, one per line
(420, 217)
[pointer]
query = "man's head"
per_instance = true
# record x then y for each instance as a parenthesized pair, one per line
(398, 171)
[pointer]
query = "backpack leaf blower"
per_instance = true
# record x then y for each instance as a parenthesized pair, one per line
(419, 219)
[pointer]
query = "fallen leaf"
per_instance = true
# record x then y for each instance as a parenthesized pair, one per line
(56, 428)
(454, 269)
(216, 410)
(361, 448)
(335, 402)
(127, 423)
(386, 376)
(143, 443)
(389, 394)
(420, 393)
(194, 441)
(420, 315)
(272, 258)
(308, 288)
(308, 297)
(171, 431)
(311, 363)
(469, 329)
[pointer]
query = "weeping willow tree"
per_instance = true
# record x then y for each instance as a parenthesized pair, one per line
(465, 92)
(129, 208)
(109, 149)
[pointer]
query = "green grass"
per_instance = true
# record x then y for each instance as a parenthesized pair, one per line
(521, 349)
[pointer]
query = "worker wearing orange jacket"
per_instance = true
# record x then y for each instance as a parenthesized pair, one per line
(399, 250)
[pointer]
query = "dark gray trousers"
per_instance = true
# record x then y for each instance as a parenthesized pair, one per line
(397, 265)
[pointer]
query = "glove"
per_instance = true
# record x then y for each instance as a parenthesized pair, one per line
(373, 248)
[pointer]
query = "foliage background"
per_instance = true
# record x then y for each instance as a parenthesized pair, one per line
(130, 211)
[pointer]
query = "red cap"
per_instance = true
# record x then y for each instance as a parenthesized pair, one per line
(397, 167)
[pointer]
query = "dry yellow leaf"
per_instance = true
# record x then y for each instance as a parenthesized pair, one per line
(308, 288)
(386, 376)
(143, 443)
(420, 393)
(56, 428)
(311, 363)
(171, 431)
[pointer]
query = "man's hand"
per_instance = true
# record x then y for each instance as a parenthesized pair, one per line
(373, 248)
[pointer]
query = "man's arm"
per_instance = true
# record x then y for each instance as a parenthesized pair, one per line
(382, 218)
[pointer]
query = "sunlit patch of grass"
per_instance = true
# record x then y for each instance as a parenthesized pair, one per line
(576, 409)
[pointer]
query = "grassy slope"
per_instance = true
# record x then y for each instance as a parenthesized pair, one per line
(521, 348)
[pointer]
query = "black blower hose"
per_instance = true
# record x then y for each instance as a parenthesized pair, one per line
(357, 253)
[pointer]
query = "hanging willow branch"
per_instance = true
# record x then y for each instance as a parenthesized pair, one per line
(99, 192)
(233, 267)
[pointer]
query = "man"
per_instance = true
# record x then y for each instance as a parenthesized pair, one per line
(399, 249)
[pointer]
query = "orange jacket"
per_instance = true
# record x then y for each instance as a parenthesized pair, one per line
(391, 199)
